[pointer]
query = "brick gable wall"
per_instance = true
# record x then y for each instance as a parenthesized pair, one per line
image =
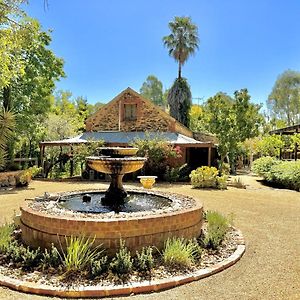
(148, 116)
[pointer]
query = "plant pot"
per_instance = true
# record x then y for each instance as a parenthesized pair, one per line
(147, 181)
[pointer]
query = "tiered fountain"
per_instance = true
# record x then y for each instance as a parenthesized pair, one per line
(139, 217)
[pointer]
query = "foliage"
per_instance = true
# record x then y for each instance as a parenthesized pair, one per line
(180, 173)
(270, 145)
(50, 258)
(6, 232)
(158, 153)
(263, 165)
(284, 100)
(144, 260)
(180, 100)
(152, 89)
(232, 121)
(179, 252)
(217, 227)
(7, 124)
(207, 177)
(98, 266)
(122, 262)
(25, 176)
(198, 119)
(23, 256)
(79, 253)
(182, 41)
(286, 173)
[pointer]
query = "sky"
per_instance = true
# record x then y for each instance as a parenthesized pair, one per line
(109, 45)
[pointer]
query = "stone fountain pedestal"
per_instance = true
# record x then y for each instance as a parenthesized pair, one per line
(116, 162)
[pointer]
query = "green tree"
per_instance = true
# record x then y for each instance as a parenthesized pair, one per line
(232, 120)
(183, 40)
(152, 89)
(180, 101)
(284, 100)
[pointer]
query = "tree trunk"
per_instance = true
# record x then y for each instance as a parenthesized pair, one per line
(179, 70)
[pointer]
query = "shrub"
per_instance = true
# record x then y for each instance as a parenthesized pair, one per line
(180, 173)
(179, 252)
(286, 173)
(159, 153)
(98, 266)
(217, 227)
(122, 262)
(6, 232)
(50, 258)
(238, 183)
(263, 165)
(144, 260)
(23, 256)
(25, 176)
(78, 254)
(205, 177)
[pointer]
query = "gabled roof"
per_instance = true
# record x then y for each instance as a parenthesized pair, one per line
(120, 137)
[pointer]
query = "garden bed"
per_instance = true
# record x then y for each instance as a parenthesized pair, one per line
(55, 282)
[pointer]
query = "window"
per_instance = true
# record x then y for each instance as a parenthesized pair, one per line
(130, 112)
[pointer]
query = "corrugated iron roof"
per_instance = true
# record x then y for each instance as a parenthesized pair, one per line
(120, 137)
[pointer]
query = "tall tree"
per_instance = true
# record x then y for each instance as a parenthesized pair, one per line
(152, 89)
(232, 120)
(284, 100)
(183, 40)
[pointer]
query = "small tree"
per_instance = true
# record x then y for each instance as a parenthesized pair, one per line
(152, 89)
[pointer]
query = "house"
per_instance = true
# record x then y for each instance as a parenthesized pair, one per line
(130, 116)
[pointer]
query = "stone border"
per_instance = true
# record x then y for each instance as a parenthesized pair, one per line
(124, 290)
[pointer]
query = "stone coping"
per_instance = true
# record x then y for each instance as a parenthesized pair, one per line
(126, 289)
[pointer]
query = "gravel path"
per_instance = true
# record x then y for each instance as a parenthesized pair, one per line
(269, 219)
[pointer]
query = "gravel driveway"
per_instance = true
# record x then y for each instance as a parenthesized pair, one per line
(269, 219)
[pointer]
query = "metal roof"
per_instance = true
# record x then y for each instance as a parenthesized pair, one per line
(120, 137)
(287, 130)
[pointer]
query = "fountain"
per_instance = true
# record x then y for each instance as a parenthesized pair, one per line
(140, 217)
(116, 162)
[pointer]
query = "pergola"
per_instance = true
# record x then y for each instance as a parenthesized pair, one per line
(290, 130)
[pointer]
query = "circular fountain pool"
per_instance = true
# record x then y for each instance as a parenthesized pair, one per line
(166, 215)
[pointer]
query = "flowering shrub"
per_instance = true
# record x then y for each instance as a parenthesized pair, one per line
(205, 177)
(159, 153)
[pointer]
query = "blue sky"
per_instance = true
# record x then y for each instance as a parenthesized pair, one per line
(109, 45)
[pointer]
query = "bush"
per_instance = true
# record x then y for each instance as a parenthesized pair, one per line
(23, 256)
(179, 252)
(6, 232)
(122, 262)
(98, 266)
(144, 260)
(263, 165)
(174, 174)
(50, 258)
(286, 173)
(78, 254)
(207, 177)
(217, 227)
(25, 176)
(159, 153)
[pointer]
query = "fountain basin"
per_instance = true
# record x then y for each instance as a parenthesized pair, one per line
(43, 226)
(113, 165)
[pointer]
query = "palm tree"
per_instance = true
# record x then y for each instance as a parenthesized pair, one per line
(7, 124)
(183, 40)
